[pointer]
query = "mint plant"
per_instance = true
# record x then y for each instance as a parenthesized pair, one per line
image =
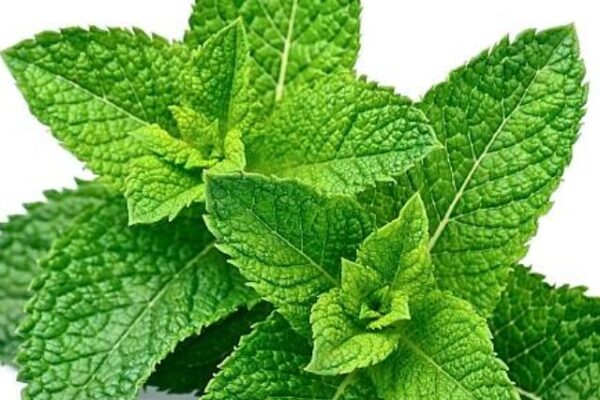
(265, 224)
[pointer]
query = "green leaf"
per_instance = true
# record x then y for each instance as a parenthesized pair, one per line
(234, 153)
(341, 135)
(395, 303)
(444, 352)
(167, 181)
(113, 301)
(164, 146)
(109, 96)
(508, 121)
(196, 129)
(156, 189)
(398, 251)
(342, 344)
(355, 327)
(550, 338)
(287, 240)
(291, 42)
(357, 279)
(218, 86)
(269, 365)
(26, 238)
(217, 95)
(194, 362)
(94, 88)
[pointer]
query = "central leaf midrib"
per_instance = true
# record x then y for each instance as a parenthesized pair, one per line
(449, 212)
(529, 395)
(344, 384)
(312, 262)
(283, 67)
(140, 316)
(77, 85)
(431, 361)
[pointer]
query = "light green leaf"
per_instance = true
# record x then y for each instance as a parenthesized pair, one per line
(508, 121)
(291, 42)
(156, 189)
(287, 240)
(195, 361)
(342, 344)
(358, 280)
(269, 365)
(94, 88)
(164, 146)
(355, 327)
(550, 338)
(341, 135)
(444, 352)
(234, 153)
(218, 86)
(113, 301)
(196, 129)
(26, 238)
(399, 251)
(395, 309)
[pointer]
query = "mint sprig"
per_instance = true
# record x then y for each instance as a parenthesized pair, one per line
(353, 242)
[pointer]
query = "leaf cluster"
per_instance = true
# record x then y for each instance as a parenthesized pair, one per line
(266, 224)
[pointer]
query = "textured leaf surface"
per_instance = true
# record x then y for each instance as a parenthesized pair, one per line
(269, 365)
(218, 86)
(196, 129)
(164, 146)
(355, 326)
(113, 301)
(341, 135)
(216, 94)
(550, 338)
(508, 121)
(342, 342)
(195, 361)
(291, 42)
(156, 189)
(444, 352)
(23, 241)
(398, 251)
(94, 88)
(287, 240)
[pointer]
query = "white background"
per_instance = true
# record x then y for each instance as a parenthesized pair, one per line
(408, 45)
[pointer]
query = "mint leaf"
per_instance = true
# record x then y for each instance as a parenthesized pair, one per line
(91, 88)
(24, 239)
(218, 88)
(291, 43)
(395, 309)
(341, 135)
(94, 88)
(549, 337)
(269, 365)
(286, 239)
(342, 342)
(177, 152)
(234, 153)
(156, 189)
(398, 251)
(444, 352)
(355, 326)
(113, 301)
(194, 362)
(164, 183)
(508, 121)
(219, 103)
(196, 129)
